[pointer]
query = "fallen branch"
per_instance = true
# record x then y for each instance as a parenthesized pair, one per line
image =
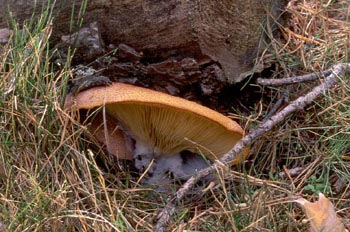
(293, 80)
(332, 75)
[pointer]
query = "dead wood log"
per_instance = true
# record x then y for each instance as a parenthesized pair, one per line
(225, 31)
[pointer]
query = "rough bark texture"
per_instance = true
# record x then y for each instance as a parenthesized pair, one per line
(228, 32)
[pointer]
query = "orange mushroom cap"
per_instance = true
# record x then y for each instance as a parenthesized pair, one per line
(166, 123)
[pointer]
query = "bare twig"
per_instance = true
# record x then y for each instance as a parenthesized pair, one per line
(338, 71)
(277, 105)
(293, 80)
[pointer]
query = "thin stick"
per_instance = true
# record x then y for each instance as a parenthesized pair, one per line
(293, 80)
(338, 71)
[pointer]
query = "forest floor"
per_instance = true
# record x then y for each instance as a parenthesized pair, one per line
(53, 177)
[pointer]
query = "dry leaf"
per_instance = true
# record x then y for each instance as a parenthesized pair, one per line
(321, 215)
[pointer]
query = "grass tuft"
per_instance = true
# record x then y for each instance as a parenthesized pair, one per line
(49, 179)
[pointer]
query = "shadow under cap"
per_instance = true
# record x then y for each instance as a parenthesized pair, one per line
(166, 123)
(108, 133)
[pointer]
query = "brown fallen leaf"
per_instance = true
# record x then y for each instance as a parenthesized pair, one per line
(321, 215)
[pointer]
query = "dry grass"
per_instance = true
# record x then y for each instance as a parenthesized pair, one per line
(51, 181)
(315, 37)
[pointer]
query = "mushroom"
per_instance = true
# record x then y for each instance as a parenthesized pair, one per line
(108, 133)
(163, 123)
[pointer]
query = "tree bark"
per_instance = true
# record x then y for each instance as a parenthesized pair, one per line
(223, 31)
